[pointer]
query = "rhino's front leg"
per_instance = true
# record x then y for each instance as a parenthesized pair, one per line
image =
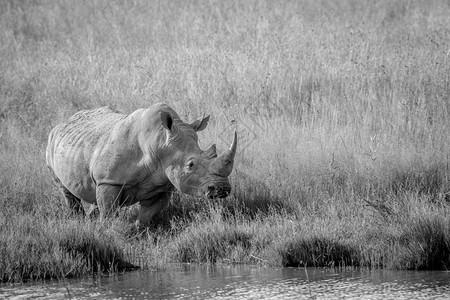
(108, 199)
(150, 208)
(93, 212)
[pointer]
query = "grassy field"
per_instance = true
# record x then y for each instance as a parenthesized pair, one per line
(342, 110)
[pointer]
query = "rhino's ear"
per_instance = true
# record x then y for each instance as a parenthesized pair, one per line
(199, 125)
(166, 120)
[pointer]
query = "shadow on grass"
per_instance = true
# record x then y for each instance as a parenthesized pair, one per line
(96, 252)
(318, 252)
(250, 198)
(425, 244)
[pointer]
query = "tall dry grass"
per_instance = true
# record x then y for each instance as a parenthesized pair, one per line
(341, 108)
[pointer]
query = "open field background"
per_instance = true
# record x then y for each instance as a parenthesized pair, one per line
(342, 110)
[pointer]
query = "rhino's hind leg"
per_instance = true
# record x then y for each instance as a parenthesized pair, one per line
(73, 202)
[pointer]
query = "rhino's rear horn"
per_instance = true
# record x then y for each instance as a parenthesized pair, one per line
(210, 152)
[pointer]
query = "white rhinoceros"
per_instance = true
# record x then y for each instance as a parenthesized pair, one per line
(111, 160)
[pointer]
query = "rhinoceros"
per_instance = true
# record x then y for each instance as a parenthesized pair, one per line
(110, 160)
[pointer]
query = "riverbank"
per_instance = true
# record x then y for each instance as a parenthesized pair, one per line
(342, 116)
(409, 231)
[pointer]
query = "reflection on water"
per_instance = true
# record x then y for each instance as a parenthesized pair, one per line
(244, 282)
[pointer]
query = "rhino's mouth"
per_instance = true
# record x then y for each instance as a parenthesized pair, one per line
(214, 191)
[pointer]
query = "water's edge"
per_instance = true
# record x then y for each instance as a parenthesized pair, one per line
(245, 282)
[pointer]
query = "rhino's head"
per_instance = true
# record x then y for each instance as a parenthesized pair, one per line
(190, 169)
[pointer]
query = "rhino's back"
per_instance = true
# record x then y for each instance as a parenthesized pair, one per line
(88, 125)
(72, 145)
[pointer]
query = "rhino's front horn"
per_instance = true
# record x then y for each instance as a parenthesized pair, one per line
(232, 151)
(223, 165)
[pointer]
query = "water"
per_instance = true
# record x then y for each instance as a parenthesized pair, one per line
(243, 282)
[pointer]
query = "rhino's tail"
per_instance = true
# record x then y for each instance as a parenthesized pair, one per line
(54, 177)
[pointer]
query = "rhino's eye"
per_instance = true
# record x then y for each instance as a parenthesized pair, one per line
(190, 165)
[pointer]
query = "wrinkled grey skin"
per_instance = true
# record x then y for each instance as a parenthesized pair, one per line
(111, 160)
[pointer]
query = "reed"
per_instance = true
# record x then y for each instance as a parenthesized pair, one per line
(341, 108)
